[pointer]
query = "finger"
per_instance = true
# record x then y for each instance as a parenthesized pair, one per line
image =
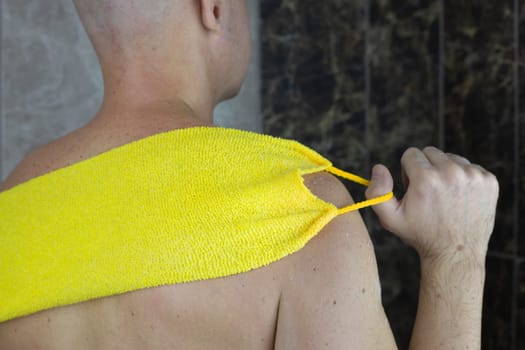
(436, 156)
(412, 161)
(404, 179)
(388, 212)
(458, 159)
(480, 168)
(466, 163)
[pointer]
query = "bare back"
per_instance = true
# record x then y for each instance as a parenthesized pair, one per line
(244, 311)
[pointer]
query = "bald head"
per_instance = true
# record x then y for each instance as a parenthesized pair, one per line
(119, 21)
(185, 44)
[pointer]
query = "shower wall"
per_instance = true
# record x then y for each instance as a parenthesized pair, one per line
(361, 80)
(51, 82)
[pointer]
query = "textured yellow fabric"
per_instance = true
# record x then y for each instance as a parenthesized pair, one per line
(183, 205)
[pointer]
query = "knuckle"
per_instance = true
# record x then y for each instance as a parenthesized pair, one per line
(409, 152)
(480, 177)
(430, 178)
(473, 172)
(460, 158)
(455, 172)
(409, 157)
(491, 177)
(477, 175)
(492, 181)
(464, 159)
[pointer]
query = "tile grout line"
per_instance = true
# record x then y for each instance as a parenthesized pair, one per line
(367, 81)
(366, 63)
(517, 126)
(441, 75)
(514, 302)
(516, 86)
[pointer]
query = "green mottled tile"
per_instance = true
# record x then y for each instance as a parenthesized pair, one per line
(521, 180)
(403, 48)
(496, 331)
(479, 110)
(313, 76)
(520, 317)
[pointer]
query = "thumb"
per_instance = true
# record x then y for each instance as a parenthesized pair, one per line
(388, 212)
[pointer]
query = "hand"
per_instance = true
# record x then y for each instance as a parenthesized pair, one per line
(448, 209)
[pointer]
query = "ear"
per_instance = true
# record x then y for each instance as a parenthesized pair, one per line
(211, 12)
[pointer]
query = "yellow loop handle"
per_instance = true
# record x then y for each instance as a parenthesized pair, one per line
(362, 181)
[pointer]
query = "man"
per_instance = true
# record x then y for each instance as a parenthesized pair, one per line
(166, 64)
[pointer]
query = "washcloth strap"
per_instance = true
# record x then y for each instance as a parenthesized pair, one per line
(361, 181)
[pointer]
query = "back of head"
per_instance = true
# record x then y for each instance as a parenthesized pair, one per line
(208, 37)
(123, 22)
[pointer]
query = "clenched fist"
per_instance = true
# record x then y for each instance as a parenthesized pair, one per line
(448, 209)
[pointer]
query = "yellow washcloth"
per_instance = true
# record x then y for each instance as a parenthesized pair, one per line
(183, 205)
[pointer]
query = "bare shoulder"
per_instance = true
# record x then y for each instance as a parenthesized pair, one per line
(43, 159)
(80, 144)
(343, 229)
(40, 161)
(29, 167)
(332, 298)
(345, 239)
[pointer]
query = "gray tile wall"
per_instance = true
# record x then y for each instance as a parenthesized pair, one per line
(51, 82)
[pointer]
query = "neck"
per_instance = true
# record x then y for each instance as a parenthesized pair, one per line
(142, 95)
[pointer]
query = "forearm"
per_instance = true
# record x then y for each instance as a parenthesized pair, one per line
(448, 211)
(450, 307)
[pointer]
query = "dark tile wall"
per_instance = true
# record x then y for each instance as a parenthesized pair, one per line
(520, 317)
(521, 101)
(479, 91)
(360, 81)
(402, 47)
(520, 97)
(498, 312)
(480, 120)
(314, 75)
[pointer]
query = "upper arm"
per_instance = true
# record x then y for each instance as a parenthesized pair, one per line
(332, 297)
